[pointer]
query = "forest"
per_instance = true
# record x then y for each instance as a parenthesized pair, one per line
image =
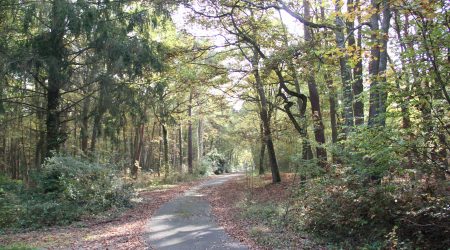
(335, 115)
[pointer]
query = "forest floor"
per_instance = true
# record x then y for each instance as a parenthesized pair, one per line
(125, 231)
(243, 208)
(212, 210)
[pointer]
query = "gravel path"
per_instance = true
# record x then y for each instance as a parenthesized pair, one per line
(187, 223)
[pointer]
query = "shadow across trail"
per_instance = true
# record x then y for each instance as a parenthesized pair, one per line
(186, 222)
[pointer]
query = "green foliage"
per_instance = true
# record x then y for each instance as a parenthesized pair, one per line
(66, 189)
(17, 247)
(344, 208)
(9, 201)
(372, 151)
(212, 162)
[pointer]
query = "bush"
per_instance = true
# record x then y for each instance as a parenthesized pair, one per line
(213, 162)
(9, 201)
(65, 190)
(343, 208)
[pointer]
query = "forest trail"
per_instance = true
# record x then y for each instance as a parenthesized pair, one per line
(186, 222)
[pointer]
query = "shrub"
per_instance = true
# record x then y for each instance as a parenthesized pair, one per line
(67, 189)
(9, 201)
(213, 162)
(343, 208)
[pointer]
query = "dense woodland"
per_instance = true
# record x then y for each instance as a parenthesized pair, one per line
(350, 95)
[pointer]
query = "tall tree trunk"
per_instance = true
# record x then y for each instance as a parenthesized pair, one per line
(180, 147)
(358, 88)
(190, 146)
(385, 25)
(265, 120)
(160, 152)
(319, 130)
(3, 157)
(374, 66)
(333, 109)
(96, 128)
(406, 122)
(137, 151)
(200, 141)
(53, 121)
(378, 64)
(346, 74)
(262, 150)
(165, 138)
(84, 125)
(150, 148)
(55, 78)
(40, 146)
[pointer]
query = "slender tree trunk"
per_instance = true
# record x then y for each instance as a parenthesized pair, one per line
(266, 122)
(175, 148)
(3, 157)
(180, 147)
(319, 130)
(200, 146)
(385, 25)
(165, 138)
(333, 110)
(98, 116)
(96, 130)
(378, 94)
(406, 122)
(190, 146)
(262, 150)
(84, 125)
(374, 67)
(124, 145)
(358, 88)
(160, 152)
(346, 74)
(138, 149)
(150, 148)
(39, 153)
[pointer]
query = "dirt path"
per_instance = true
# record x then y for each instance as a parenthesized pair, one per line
(187, 223)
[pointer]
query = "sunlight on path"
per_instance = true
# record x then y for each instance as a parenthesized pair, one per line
(186, 222)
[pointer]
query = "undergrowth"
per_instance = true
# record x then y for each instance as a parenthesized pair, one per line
(66, 189)
(372, 198)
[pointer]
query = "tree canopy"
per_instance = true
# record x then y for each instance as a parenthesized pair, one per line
(349, 94)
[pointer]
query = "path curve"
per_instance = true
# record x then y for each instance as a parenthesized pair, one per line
(186, 222)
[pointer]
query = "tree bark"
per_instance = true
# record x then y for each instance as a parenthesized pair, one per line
(385, 25)
(200, 141)
(180, 147)
(55, 78)
(150, 148)
(190, 146)
(374, 67)
(84, 125)
(333, 109)
(262, 150)
(265, 120)
(137, 151)
(346, 74)
(165, 138)
(358, 105)
(319, 130)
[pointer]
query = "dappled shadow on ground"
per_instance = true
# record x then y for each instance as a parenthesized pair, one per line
(186, 223)
(227, 206)
(123, 232)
